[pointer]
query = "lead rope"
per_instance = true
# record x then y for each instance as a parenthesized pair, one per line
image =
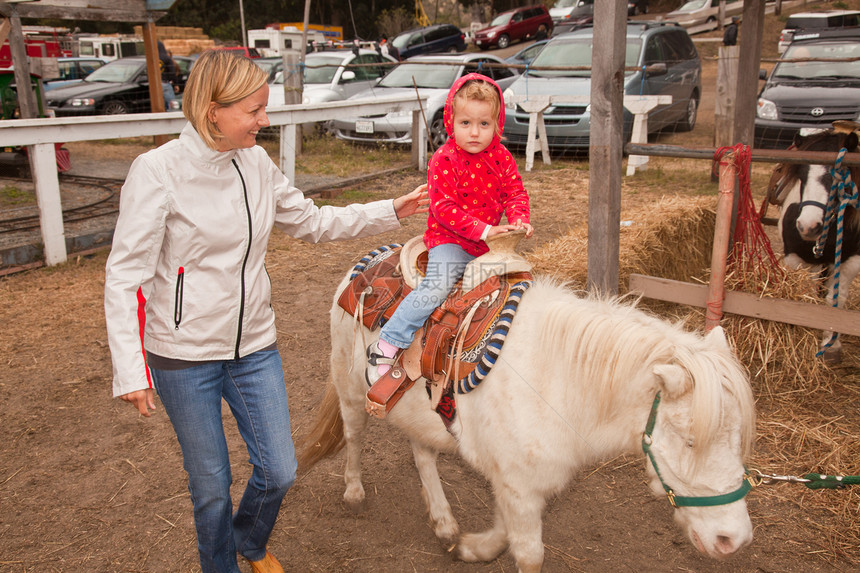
(843, 191)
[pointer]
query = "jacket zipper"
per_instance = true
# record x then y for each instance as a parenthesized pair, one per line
(177, 305)
(244, 262)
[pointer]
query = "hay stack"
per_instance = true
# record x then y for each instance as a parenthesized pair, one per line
(673, 239)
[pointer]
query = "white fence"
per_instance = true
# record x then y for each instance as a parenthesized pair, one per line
(43, 133)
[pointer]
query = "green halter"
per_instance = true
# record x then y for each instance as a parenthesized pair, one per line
(679, 500)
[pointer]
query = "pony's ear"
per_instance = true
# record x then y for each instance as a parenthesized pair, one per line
(717, 338)
(673, 379)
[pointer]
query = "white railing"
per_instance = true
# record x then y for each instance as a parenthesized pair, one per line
(43, 133)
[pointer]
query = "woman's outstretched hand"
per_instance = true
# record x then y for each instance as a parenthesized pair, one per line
(142, 400)
(412, 203)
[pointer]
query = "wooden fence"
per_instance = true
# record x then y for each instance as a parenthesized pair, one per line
(713, 297)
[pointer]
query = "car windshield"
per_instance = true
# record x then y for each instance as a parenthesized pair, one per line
(692, 6)
(408, 39)
(119, 71)
(821, 70)
(422, 75)
(501, 20)
(320, 69)
(576, 53)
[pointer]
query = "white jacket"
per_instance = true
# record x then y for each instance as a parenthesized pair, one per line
(192, 233)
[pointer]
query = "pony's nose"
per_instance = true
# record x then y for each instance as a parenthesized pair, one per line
(809, 232)
(727, 545)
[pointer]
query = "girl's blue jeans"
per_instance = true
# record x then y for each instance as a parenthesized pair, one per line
(254, 389)
(445, 266)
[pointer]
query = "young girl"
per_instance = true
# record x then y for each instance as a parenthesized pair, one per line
(472, 180)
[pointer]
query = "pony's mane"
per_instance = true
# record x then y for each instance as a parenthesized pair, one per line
(612, 343)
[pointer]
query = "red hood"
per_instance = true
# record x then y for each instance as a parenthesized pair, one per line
(448, 114)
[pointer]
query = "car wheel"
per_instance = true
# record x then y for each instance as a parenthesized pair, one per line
(452, 50)
(688, 122)
(114, 108)
(504, 41)
(438, 135)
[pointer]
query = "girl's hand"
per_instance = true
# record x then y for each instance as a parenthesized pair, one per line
(499, 229)
(412, 203)
(529, 229)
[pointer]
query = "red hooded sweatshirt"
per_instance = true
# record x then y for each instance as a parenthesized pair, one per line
(469, 191)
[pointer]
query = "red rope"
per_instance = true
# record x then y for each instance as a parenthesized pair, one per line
(751, 252)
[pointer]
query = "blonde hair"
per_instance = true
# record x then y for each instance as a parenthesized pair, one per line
(480, 90)
(219, 77)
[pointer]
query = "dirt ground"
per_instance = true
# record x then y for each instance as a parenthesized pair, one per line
(87, 485)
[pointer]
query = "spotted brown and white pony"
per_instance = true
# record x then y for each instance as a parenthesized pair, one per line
(578, 380)
(810, 217)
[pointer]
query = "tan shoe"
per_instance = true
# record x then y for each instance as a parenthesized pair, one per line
(267, 564)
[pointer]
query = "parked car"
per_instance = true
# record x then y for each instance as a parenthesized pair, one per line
(704, 12)
(120, 86)
(527, 54)
(430, 39)
(514, 25)
(333, 76)
(247, 52)
(71, 71)
(433, 76)
(570, 11)
(810, 94)
(271, 65)
(810, 22)
(672, 67)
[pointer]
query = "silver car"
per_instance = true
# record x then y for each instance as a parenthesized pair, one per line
(333, 75)
(665, 62)
(431, 76)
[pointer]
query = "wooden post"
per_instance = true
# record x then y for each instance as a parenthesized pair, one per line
(748, 66)
(605, 145)
(26, 98)
(293, 89)
(722, 231)
(43, 163)
(724, 104)
(153, 72)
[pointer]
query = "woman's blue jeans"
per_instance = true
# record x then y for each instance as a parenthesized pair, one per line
(445, 266)
(254, 389)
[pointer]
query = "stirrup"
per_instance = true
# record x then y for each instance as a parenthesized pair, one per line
(374, 359)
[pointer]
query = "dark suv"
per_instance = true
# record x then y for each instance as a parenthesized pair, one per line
(810, 94)
(513, 25)
(665, 63)
(430, 39)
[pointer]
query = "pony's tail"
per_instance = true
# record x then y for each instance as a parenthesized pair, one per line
(326, 436)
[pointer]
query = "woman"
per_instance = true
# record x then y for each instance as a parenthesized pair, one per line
(195, 217)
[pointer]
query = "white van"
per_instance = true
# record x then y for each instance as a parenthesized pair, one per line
(814, 22)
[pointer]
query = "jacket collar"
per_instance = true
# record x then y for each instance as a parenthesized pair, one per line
(192, 140)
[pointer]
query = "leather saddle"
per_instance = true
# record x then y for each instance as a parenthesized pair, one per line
(451, 342)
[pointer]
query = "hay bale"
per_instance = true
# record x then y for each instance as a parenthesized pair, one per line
(670, 239)
(673, 239)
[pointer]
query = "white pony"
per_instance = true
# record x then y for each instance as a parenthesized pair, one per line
(575, 383)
